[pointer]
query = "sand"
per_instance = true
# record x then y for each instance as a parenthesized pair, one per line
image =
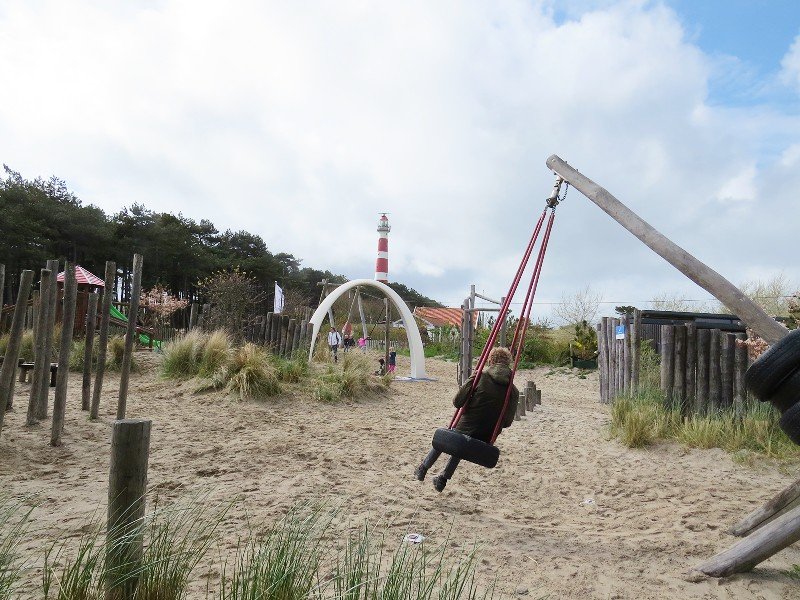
(568, 512)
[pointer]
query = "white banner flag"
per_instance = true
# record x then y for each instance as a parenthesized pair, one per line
(278, 306)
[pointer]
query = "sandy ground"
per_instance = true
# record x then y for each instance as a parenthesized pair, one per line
(567, 513)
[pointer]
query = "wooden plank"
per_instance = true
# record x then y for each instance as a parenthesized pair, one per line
(727, 359)
(690, 379)
(8, 370)
(626, 356)
(290, 338)
(130, 336)
(667, 362)
(739, 369)
(636, 349)
(679, 366)
(102, 342)
(711, 281)
(714, 372)
(65, 347)
(762, 514)
(703, 371)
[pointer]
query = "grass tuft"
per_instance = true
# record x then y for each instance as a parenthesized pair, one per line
(182, 357)
(13, 524)
(116, 352)
(249, 374)
(214, 353)
(293, 370)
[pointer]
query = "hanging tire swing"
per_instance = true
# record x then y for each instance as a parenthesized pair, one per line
(451, 441)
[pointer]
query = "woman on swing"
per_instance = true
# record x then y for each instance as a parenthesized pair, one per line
(482, 412)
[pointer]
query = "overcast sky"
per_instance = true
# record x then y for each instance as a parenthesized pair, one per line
(302, 121)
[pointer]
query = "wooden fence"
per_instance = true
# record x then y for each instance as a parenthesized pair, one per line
(701, 369)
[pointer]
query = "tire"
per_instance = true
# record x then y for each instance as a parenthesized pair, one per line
(776, 364)
(790, 423)
(787, 394)
(462, 446)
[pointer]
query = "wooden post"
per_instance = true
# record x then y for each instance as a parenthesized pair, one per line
(530, 399)
(626, 356)
(611, 380)
(9, 367)
(602, 370)
(711, 281)
(275, 333)
(714, 372)
(127, 485)
(290, 337)
(284, 334)
(761, 515)
(701, 401)
(65, 346)
(636, 349)
(691, 368)
(43, 393)
(304, 335)
(41, 366)
(102, 342)
(88, 352)
(130, 336)
(193, 315)
(679, 382)
(667, 362)
(727, 360)
(756, 548)
(296, 341)
(267, 329)
(2, 292)
(739, 369)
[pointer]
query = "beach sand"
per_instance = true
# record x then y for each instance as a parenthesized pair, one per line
(567, 513)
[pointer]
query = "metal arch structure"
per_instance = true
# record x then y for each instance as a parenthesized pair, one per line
(414, 339)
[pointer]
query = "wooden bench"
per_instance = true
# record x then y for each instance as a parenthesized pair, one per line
(25, 369)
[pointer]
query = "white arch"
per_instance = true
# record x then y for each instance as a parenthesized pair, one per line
(414, 339)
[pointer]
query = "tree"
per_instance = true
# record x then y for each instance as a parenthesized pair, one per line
(583, 305)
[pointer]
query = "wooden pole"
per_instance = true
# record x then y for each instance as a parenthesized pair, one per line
(284, 334)
(275, 333)
(88, 351)
(690, 379)
(130, 336)
(43, 393)
(727, 360)
(708, 279)
(296, 341)
(626, 356)
(740, 367)
(102, 342)
(65, 346)
(679, 377)
(611, 383)
(9, 367)
(761, 515)
(193, 315)
(290, 337)
(127, 485)
(714, 372)
(636, 349)
(2, 292)
(41, 363)
(267, 329)
(304, 335)
(756, 548)
(701, 401)
(667, 362)
(601, 361)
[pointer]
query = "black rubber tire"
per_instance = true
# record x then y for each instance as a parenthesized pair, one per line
(790, 423)
(787, 394)
(462, 446)
(774, 366)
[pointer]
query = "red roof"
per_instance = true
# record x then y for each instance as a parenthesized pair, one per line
(439, 317)
(83, 277)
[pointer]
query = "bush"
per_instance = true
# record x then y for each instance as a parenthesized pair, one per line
(355, 379)
(182, 357)
(291, 371)
(249, 374)
(116, 352)
(77, 355)
(216, 350)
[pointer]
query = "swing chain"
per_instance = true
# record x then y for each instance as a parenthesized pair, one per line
(553, 200)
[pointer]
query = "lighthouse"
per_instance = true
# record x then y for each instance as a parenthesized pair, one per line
(382, 263)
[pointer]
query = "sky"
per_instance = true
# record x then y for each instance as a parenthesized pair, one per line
(303, 121)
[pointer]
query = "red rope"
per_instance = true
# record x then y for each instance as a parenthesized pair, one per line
(537, 271)
(503, 310)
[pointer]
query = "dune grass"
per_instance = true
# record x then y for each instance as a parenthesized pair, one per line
(13, 525)
(354, 379)
(26, 346)
(215, 353)
(182, 357)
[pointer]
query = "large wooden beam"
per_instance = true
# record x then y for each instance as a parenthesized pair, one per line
(762, 514)
(703, 275)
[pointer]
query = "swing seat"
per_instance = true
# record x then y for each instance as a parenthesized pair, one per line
(462, 446)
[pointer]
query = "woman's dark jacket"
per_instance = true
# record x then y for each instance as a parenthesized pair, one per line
(483, 409)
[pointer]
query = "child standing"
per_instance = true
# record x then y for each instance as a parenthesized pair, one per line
(362, 343)
(392, 360)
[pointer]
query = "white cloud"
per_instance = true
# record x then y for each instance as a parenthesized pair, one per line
(790, 65)
(301, 122)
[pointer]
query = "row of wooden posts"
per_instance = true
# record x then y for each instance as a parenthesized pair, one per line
(702, 370)
(43, 345)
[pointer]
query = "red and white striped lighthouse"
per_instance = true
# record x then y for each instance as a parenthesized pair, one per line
(382, 263)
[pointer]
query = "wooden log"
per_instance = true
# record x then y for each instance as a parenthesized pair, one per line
(727, 359)
(612, 380)
(690, 379)
(530, 393)
(538, 396)
(88, 351)
(739, 369)
(65, 346)
(521, 409)
(612, 350)
(772, 508)
(755, 548)
(296, 342)
(41, 362)
(667, 363)
(602, 367)
(275, 336)
(130, 336)
(11, 357)
(284, 334)
(43, 393)
(127, 485)
(701, 401)
(102, 342)
(288, 347)
(619, 359)
(714, 371)
(192, 316)
(711, 281)
(636, 349)
(679, 377)
(304, 336)
(37, 304)
(267, 329)
(628, 355)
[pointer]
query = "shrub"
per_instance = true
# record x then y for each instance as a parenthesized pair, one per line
(182, 357)
(249, 374)
(77, 355)
(116, 352)
(291, 371)
(215, 353)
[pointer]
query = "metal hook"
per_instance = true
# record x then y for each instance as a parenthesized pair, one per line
(552, 199)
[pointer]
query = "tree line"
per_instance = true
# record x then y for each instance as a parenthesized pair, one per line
(42, 219)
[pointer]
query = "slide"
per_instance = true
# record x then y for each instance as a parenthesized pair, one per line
(144, 338)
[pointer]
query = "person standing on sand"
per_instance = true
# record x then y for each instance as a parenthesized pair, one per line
(347, 334)
(390, 366)
(334, 339)
(362, 343)
(482, 412)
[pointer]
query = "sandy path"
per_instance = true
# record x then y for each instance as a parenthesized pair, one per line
(653, 514)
